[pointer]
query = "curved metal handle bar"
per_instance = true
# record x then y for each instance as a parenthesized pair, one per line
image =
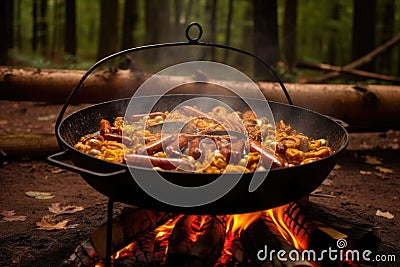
(56, 159)
(191, 41)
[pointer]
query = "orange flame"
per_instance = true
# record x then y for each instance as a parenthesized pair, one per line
(235, 224)
(276, 215)
(238, 222)
(166, 228)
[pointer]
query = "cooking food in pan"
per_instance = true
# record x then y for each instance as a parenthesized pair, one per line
(207, 142)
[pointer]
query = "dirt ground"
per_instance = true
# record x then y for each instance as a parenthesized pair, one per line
(355, 190)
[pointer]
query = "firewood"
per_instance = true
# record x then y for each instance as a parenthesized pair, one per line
(84, 255)
(312, 236)
(362, 232)
(160, 249)
(233, 253)
(129, 226)
(196, 241)
(208, 246)
(181, 240)
(264, 235)
(306, 232)
(139, 253)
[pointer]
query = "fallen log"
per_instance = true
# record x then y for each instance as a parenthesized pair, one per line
(354, 72)
(28, 145)
(362, 107)
(54, 86)
(358, 62)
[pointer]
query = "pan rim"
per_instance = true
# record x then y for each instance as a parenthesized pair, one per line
(66, 146)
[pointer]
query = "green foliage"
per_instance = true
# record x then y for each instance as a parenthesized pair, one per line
(323, 29)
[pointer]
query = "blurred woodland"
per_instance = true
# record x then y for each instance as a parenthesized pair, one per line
(305, 40)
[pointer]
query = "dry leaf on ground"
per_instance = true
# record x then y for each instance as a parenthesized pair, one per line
(9, 216)
(372, 160)
(49, 223)
(384, 169)
(365, 172)
(337, 167)
(58, 208)
(56, 170)
(385, 214)
(40, 195)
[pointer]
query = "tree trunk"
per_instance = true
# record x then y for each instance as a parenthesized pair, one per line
(177, 15)
(108, 28)
(265, 35)
(43, 28)
(70, 27)
(56, 36)
(34, 25)
(364, 20)
(211, 9)
(228, 28)
(333, 42)
(385, 61)
(18, 23)
(153, 21)
(164, 22)
(6, 20)
(153, 26)
(289, 35)
(129, 24)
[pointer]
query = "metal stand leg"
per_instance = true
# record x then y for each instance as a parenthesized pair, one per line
(110, 207)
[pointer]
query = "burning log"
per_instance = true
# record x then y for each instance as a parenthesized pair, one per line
(196, 241)
(305, 231)
(233, 253)
(131, 225)
(254, 239)
(140, 252)
(181, 239)
(208, 246)
(263, 239)
(84, 255)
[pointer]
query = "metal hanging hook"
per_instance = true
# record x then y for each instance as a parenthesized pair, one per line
(200, 32)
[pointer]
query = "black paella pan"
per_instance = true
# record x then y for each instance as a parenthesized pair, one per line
(114, 180)
(281, 186)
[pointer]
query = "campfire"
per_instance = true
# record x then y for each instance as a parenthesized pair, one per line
(149, 238)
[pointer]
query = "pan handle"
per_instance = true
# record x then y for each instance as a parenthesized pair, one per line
(55, 159)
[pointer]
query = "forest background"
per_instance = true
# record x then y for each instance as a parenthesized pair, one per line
(289, 34)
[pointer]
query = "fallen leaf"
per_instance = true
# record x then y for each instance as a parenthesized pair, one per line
(49, 223)
(56, 170)
(337, 167)
(385, 214)
(39, 195)
(58, 208)
(9, 216)
(384, 169)
(372, 160)
(365, 172)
